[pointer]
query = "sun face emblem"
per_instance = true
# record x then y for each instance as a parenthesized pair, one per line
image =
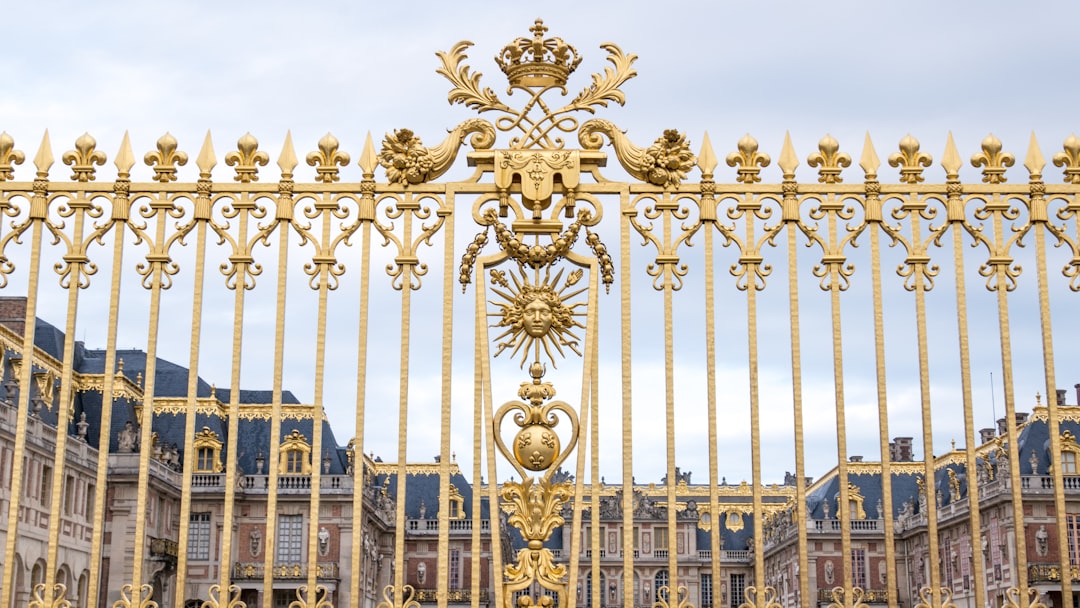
(536, 315)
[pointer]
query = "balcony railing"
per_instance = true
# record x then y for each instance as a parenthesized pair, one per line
(857, 525)
(294, 484)
(870, 596)
(660, 553)
(431, 526)
(255, 570)
(453, 596)
(1050, 573)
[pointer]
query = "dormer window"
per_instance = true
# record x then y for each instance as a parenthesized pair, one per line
(207, 447)
(295, 458)
(1070, 454)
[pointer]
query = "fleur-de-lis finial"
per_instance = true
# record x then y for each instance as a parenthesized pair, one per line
(247, 157)
(993, 160)
(83, 158)
(165, 159)
(327, 160)
(748, 160)
(1070, 159)
(9, 156)
(910, 160)
(830, 159)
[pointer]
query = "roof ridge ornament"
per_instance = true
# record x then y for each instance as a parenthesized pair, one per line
(535, 66)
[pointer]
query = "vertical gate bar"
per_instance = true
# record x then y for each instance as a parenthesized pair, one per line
(203, 205)
(872, 215)
(844, 508)
(629, 585)
(65, 405)
(955, 211)
(442, 583)
(269, 547)
(481, 422)
(755, 423)
(403, 411)
(489, 439)
(38, 212)
(797, 406)
(329, 207)
(1037, 214)
(916, 206)
(1001, 287)
(365, 215)
(164, 208)
(707, 201)
(231, 455)
(121, 208)
(669, 404)
(590, 393)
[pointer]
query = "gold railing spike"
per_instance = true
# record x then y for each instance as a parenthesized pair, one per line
(165, 159)
(1034, 161)
(993, 160)
(950, 160)
(9, 156)
(369, 158)
(830, 159)
(83, 158)
(247, 158)
(788, 161)
(207, 160)
(43, 160)
(707, 158)
(748, 160)
(910, 160)
(287, 160)
(327, 159)
(1070, 159)
(125, 158)
(869, 161)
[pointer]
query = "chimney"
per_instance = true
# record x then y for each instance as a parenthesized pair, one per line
(900, 450)
(986, 435)
(1061, 396)
(1002, 428)
(1021, 418)
(855, 459)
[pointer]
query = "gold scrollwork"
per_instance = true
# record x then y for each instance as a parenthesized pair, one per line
(1015, 599)
(926, 599)
(767, 598)
(839, 598)
(146, 594)
(663, 598)
(214, 598)
(408, 598)
(58, 600)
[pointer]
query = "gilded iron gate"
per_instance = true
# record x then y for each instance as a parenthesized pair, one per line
(549, 237)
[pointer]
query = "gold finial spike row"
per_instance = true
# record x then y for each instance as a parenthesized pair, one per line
(125, 158)
(950, 160)
(707, 158)
(788, 160)
(83, 158)
(1034, 161)
(869, 161)
(207, 160)
(910, 160)
(327, 159)
(830, 159)
(287, 160)
(44, 158)
(247, 157)
(992, 160)
(1070, 159)
(369, 159)
(748, 160)
(166, 158)
(9, 156)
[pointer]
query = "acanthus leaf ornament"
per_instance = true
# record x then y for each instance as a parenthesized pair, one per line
(536, 65)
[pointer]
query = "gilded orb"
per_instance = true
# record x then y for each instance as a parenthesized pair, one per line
(536, 447)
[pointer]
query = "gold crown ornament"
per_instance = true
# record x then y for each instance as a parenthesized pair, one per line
(538, 61)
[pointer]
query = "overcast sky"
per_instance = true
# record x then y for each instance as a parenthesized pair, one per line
(760, 68)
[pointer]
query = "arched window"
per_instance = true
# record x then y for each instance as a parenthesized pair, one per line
(661, 580)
